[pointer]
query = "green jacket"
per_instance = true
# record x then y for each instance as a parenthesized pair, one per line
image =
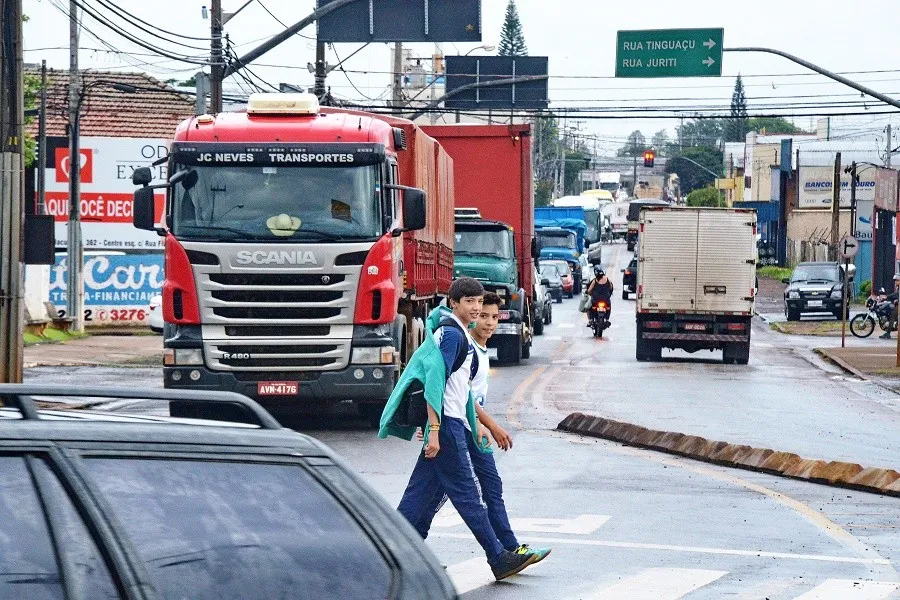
(426, 365)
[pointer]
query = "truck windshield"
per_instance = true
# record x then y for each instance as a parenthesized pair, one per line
(557, 240)
(277, 203)
(485, 242)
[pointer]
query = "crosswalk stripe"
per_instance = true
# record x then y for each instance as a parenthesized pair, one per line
(850, 589)
(658, 584)
(470, 575)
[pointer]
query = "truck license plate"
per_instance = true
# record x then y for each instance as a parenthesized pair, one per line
(813, 303)
(277, 388)
(695, 327)
(504, 315)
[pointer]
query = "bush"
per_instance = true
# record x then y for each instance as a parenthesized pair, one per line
(865, 289)
(709, 197)
(771, 272)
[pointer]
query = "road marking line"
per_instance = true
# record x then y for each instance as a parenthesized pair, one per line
(567, 325)
(693, 549)
(658, 584)
(580, 525)
(470, 575)
(849, 589)
(518, 398)
(553, 338)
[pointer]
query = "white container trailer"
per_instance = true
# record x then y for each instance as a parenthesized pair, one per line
(696, 281)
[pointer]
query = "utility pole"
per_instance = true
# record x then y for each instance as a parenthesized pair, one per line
(397, 87)
(74, 249)
(217, 70)
(836, 206)
(853, 198)
(634, 175)
(12, 192)
(319, 85)
(887, 160)
(42, 145)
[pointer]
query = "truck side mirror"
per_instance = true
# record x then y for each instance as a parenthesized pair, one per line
(144, 209)
(414, 213)
(545, 281)
(535, 248)
(142, 176)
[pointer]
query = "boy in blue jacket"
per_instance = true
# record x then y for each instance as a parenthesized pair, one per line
(445, 463)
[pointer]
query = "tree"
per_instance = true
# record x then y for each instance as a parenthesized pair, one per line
(772, 125)
(690, 175)
(576, 162)
(736, 127)
(661, 142)
(708, 196)
(635, 145)
(543, 192)
(700, 132)
(31, 91)
(512, 40)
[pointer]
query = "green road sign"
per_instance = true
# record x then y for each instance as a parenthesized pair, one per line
(669, 53)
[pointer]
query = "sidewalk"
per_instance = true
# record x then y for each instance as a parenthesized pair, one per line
(874, 363)
(97, 350)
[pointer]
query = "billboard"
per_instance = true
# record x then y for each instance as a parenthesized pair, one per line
(816, 188)
(106, 165)
(366, 21)
(117, 287)
(468, 70)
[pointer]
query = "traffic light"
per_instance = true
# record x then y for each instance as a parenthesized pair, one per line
(649, 156)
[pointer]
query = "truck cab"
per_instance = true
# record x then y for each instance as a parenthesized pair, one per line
(556, 243)
(486, 251)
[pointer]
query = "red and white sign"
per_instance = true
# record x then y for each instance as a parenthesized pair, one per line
(64, 165)
(107, 192)
(278, 388)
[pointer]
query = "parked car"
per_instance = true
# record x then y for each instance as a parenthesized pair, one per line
(541, 302)
(814, 287)
(565, 272)
(99, 504)
(155, 320)
(554, 279)
(629, 278)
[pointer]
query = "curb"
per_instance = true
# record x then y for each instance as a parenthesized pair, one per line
(853, 370)
(773, 462)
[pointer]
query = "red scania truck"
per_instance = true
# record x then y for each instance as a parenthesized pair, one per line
(304, 249)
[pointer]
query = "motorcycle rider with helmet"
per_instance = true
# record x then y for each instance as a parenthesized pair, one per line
(600, 289)
(892, 298)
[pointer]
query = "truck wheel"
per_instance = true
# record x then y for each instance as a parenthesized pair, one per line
(549, 318)
(625, 294)
(737, 353)
(630, 246)
(509, 350)
(538, 326)
(526, 350)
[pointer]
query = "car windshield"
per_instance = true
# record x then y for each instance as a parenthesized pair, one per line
(816, 273)
(277, 203)
(563, 268)
(485, 242)
(550, 272)
(558, 240)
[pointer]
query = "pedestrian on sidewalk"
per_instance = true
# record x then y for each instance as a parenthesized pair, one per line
(488, 431)
(442, 366)
(892, 298)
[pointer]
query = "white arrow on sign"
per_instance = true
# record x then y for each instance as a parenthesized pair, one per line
(709, 61)
(709, 43)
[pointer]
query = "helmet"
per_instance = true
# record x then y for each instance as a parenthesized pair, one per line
(599, 272)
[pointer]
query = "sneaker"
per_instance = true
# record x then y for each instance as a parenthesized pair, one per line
(541, 553)
(885, 336)
(510, 563)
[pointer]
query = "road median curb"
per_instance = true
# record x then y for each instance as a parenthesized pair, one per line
(764, 460)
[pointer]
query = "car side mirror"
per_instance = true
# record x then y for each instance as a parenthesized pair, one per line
(144, 214)
(414, 209)
(785, 280)
(545, 281)
(621, 270)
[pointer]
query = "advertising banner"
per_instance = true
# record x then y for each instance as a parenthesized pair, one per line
(106, 191)
(117, 287)
(816, 185)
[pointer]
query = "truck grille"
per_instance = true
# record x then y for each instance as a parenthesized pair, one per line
(272, 279)
(276, 356)
(275, 314)
(277, 331)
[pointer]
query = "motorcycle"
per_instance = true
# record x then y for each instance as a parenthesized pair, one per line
(599, 316)
(878, 311)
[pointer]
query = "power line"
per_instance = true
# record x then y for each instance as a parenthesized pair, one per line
(128, 18)
(282, 23)
(112, 6)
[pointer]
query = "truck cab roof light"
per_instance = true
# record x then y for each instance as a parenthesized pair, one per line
(283, 104)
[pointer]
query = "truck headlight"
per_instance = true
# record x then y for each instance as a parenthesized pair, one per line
(182, 356)
(793, 295)
(383, 355)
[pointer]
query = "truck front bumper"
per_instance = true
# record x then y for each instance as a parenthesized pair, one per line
(360, 383)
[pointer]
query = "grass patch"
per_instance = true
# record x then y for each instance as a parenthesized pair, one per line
(773, 272)
(32, 339)
(812, 328)
(51, 336)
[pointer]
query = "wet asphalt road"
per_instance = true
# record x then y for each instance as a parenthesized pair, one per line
(631, 524)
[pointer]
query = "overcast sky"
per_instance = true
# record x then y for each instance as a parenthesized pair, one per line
(578, 36)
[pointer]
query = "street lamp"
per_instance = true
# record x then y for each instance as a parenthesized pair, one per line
(74, 246)
(485, 47)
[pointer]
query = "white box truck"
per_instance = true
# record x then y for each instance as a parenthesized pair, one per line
(696, 281)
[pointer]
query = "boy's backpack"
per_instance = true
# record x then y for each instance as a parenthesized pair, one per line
(412, 411)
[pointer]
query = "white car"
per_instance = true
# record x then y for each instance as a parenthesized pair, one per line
(155, 311)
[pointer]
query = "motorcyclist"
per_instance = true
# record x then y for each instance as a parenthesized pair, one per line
(892, 298)
(600, 288)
